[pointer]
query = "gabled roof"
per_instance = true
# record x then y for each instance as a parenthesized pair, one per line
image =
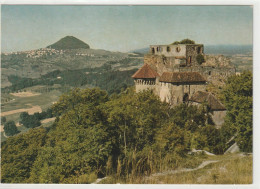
(182, 77)
(145, 72)
(204, 97)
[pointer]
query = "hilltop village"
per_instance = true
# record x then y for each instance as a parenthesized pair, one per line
(179, 73)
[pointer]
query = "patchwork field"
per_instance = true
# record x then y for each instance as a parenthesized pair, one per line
(30, 111)
(14, 104)
(25, 94)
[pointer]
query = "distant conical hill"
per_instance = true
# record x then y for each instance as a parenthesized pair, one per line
(69, 42)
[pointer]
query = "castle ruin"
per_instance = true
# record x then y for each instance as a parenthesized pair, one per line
(174, 74)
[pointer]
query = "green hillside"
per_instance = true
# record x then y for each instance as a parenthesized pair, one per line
(69, 42)
(133, 138)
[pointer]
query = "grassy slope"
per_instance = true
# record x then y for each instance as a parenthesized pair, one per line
(230, 169)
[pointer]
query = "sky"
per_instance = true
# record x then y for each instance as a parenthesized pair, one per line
(123, 28)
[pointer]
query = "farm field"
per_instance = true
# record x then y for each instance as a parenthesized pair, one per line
(28, 101)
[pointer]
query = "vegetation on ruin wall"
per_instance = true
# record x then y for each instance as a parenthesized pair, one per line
(126, 135)
(184, 41)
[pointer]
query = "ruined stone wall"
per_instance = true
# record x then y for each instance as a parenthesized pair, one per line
(168, 50)
(192, 52)
(211, 74)
(218, 117)
(174, 94)
(160, 63)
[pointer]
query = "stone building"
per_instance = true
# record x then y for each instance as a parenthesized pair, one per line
(173, 73)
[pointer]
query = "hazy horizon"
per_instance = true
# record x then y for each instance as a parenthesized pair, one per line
(124, 28)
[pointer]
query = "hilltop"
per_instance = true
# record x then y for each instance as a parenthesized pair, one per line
(69, 42)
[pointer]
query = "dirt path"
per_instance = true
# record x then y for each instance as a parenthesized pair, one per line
(30, 111)
(47, 120)
(25, 94)
(98, 180)
(202, 165)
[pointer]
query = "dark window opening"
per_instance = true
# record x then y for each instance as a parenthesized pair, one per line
(185, 97)
(199, 50)
(168, 49)
(178, 49)
(209, 72)
(153, 51)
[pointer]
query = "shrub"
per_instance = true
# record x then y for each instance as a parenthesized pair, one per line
(184, 41)
(10, 128)
(200, 59)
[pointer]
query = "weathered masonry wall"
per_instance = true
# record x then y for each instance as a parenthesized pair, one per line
(219, 117)
(168, 50)
(174, 94)
(192, 52)
(144, 84)
(211, 74)
(189, 51)
(161, 64)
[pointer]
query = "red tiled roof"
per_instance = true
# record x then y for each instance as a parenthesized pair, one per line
(204, 97)
(145, 72)
(182, 77)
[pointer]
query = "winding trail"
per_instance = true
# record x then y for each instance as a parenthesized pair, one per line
(202, 165)
(98, 180)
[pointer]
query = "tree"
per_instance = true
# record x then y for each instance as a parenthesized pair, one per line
(10, 128)
(184, 41)
(30, 121)
(200, 59)
(18, 155)
(3, 120)
(237, 97)
(187, 41)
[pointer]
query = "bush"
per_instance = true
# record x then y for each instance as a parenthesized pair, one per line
(200, 59)
(184, 41)
(3, 120)
(238, 99)
(10, 128)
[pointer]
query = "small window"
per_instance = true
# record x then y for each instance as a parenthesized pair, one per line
(168, 49)
(189, 59)
(158, 49)
(153, 51)
(209, 72)
(178, 49)
(199, 50)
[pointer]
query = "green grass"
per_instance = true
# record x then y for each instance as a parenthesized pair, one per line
(230, 169)
(44, 101)
(3, 138)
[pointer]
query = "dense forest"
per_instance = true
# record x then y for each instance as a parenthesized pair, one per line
(125, 135)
